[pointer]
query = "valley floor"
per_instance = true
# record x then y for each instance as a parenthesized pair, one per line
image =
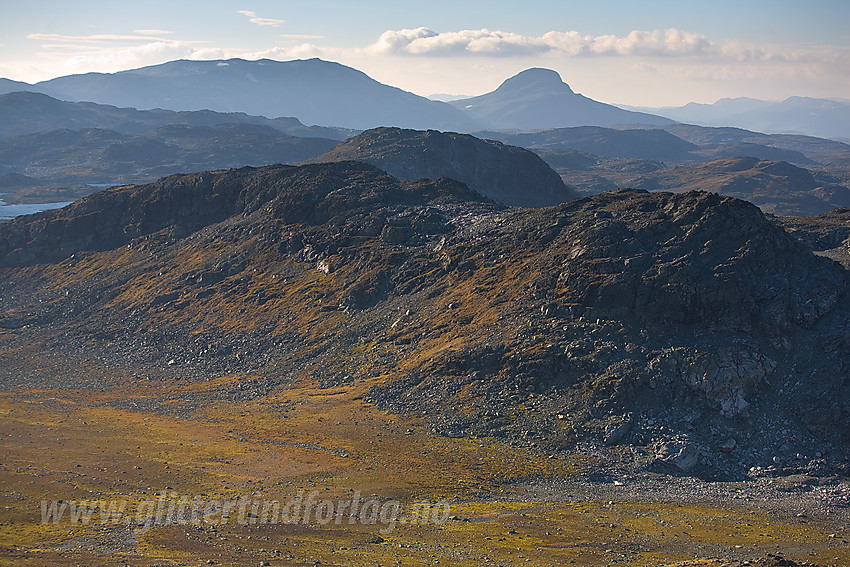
(485, 503)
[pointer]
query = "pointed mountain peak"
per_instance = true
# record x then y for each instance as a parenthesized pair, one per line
(536, 79)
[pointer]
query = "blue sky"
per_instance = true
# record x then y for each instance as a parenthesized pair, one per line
(647, 52)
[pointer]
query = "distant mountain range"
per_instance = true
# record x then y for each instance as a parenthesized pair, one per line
(653, 144)
(776, 187)
(28, 113)
(9, 86)
(324, 93)
(677, 143)
(329, 94)
(314, 91)
(795, 115)
(52, 150)
(96, 155)
(538, 98)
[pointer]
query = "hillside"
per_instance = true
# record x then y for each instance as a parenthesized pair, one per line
(546, 376)
(796, 149)
(677, 143)
(9, 86)
(777, 187)
(797, 175)
(657, 310)
(648, 144)
(506, 174)
(29, 113)
(827, 233)
(314, 91)
(60, 165)
(538, 98)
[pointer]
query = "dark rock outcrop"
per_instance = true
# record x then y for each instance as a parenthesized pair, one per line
(183, 204)
(507, 174)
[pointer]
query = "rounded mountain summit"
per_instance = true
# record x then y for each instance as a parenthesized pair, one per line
(537, 99)
(507, 174)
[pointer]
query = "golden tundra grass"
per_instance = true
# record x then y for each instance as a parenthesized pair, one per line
(71, 445)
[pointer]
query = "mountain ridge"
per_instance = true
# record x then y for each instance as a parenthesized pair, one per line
(331, 94)
(616, 322)
(313, 90)
(824, 118)
(518, 103)
(26, 112)
(538, 98)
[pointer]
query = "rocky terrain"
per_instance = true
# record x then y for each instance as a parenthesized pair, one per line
(827, 234)
(633, 377)
(507, 174)
(683, 333)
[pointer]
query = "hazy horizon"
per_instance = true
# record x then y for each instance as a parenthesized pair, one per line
(655, 54)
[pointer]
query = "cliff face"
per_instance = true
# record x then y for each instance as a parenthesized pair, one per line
(673, 332)
(506, 174)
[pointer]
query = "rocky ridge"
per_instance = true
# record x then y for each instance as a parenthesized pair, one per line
(507, 174)
(680, 333)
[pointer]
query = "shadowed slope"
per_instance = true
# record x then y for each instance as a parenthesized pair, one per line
(507, 174)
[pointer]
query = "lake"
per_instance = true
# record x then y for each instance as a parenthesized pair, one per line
(11, 211)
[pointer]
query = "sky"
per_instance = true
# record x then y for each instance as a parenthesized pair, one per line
(635, 52)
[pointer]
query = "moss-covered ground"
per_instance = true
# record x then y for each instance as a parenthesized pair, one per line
(77, 446)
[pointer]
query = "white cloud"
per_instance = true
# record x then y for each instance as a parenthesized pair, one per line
(106, 53)
(671, 42)
(153, 32)
(301, 36)
(255, 19)
(423, 41)
(111, 60)
(97, 38)
(303, 51)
